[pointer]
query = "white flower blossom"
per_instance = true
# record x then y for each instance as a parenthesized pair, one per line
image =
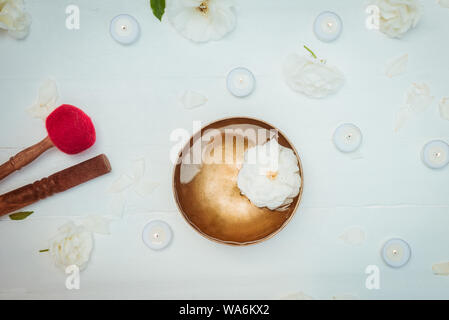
(312, 76)
(269, 176)
(398, 16)
(202, 20)
(14, 18)
(71, 246)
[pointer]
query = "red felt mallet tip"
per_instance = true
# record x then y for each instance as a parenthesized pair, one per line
(70, 129)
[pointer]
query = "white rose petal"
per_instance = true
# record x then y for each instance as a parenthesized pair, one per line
(269, 176)
(146, 187)
(417, 99)
(441, 269)
(71, 246)
(202, 20)
(398, 16)
(138, 169)
(297, 296)
(345, 296)
(116, 206)
(397, 66)
(121, 183)
(14, 18)
(353, 236)
(46, 101)
(402, 116)
(97, 224)
(191, 99)
(188, 172)
(311, 77)
(443, 3)
(444, 108)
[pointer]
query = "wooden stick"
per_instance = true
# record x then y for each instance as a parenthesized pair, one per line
(58, 182)
(24, 157)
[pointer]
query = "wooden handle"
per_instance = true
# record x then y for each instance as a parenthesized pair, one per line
(24, 157)
(58, 182)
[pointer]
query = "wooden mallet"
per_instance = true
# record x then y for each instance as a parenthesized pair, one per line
(69, 129)
(58, 182)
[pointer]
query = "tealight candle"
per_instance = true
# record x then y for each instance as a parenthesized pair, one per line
(396, 253)
(327, 26)
(347, 137)
(124, 29)
(157, 234)
(240, 82)
(435, 154)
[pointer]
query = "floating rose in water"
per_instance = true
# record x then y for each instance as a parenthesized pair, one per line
(270, 176)
(398, 16)
(14, 18)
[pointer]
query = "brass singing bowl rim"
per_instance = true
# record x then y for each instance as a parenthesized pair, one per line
(239, 120)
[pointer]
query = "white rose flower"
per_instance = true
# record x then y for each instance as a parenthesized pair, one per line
(311, 76)
(71, 246)
(398, 16)
(269, 176)
(202, 20)
(14, 18)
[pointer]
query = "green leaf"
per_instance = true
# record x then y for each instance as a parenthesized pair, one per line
(158, 7)
(20, 215)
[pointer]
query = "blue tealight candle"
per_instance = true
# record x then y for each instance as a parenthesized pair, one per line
(157, 234)
(327, 26)
(240, 82)
(396, 252)
(435, 154)
(347, 137)
(124, 29)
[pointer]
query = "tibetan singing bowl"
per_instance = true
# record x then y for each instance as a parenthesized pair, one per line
(206, 190)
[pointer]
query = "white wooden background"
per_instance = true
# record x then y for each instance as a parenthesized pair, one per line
(132, 93)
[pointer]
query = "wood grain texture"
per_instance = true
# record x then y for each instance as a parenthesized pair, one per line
(24, 157)
(58, 182)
